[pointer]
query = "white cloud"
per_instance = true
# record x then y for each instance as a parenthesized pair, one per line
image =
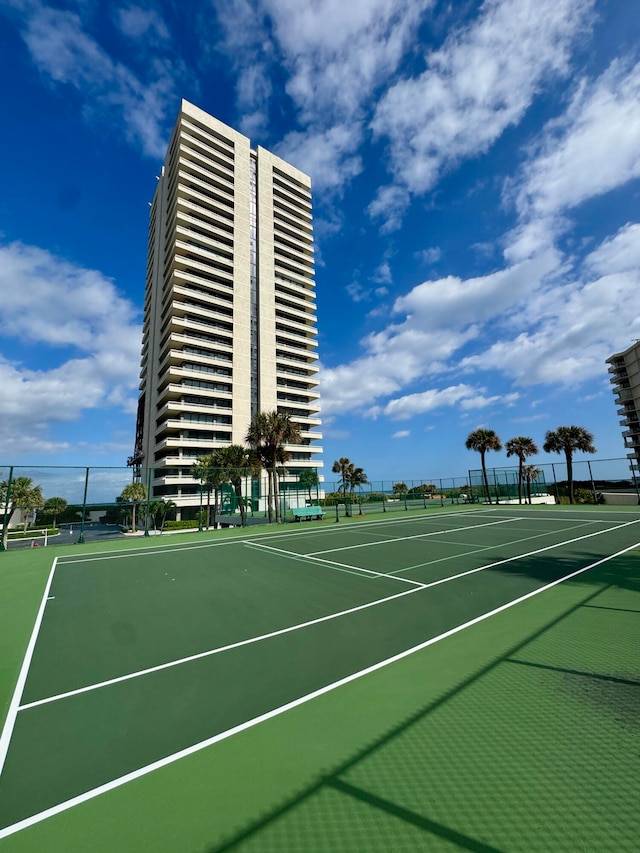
(592, 149)
(435, 319)
(617, 254)
(80, 317)
(357, 292)
(334, 54)
(390, 204)
(329, 156)
(402, 433)
(463, 396)
(425, 401)
(135, 22)
(429, 256)
(64, 51)
(382, 273)
(573, 328)
(337, 53)
(455, 303)
(481, 81)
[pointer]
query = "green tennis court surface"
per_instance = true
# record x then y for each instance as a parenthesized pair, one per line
(145, 661)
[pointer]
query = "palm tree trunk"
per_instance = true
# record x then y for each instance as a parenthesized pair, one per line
(485, 478)
(520, 480)
(276, 495)
(243, 509)
(270, 493)
(569, 456)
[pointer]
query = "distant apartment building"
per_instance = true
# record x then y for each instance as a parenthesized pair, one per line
(230, 324)
(624, 368)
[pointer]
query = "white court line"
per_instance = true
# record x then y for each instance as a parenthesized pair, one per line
(310, 557)
(171, 547)
(14, 707)
(418, 586)
(479, 548)
(520, 556)
(415, 536)
(184, 753)
(210, 652)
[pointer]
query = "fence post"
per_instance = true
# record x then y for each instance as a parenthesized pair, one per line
(555, 483)
(495, 482)
(634, 478)
(146, 515)
(5, 523)
(593, 485)
(84, 507)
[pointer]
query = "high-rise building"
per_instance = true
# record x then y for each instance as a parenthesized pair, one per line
(624, 368)
(230, 326)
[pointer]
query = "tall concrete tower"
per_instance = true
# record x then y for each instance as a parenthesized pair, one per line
(230, 324)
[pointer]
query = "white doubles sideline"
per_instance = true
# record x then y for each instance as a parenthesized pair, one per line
(170, 759)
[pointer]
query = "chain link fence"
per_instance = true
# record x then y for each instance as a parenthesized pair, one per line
(39, 502)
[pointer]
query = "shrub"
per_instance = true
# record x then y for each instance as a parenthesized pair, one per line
(181, 525)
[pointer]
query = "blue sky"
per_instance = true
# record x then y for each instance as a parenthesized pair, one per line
(476, 182)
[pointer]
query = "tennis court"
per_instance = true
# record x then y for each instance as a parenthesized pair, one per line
(141, 658)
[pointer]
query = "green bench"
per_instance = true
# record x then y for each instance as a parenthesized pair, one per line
(300, 513)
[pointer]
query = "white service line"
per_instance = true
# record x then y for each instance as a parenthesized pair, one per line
(14, 707)
(176, 756)
(309, 557)
(415, 536)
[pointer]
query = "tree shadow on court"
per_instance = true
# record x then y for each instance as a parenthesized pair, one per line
(622, 572)
(450, 775)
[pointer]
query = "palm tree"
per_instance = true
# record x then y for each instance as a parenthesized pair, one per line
(236, 464)
(134, 494)
(268, 434)
(357, 480)
(154, 508)
(400, 489)
(167, 506)
(483, 440)
(569, 440)
(54, 506)
(18, 494)
(530, 474)
(209, 470)
(345, 467)
(522, 447)
(308, 479)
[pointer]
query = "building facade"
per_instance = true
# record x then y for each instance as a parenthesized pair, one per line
(624, 369)
(230, 326)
